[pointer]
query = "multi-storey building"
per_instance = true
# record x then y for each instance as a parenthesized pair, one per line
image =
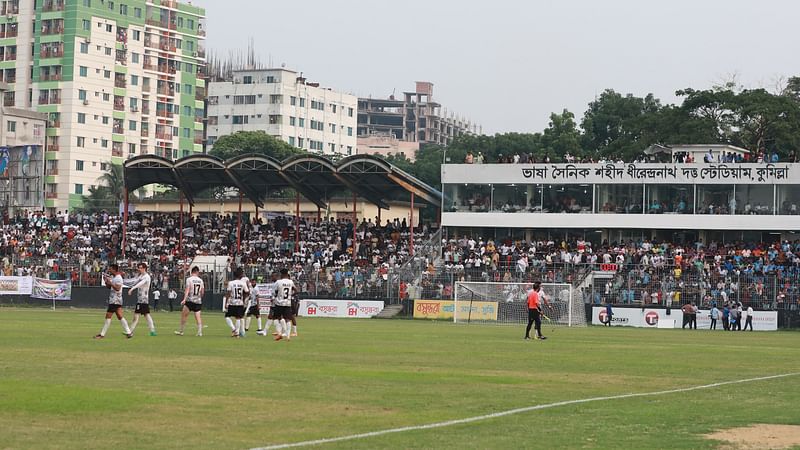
(415, 118)
(117, 79)
(284, 105)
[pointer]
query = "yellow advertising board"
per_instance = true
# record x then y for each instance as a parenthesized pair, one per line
(444, 309)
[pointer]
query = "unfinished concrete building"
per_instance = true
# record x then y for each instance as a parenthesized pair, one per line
(415, 118)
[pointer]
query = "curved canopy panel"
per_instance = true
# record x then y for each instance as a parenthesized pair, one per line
(149, 169)
(315, 177)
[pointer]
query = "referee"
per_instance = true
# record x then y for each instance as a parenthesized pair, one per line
(534, 313)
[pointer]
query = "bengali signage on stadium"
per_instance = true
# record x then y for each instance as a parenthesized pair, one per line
(16, 285)
(445, 309)
(649, 318)
(52, 289)
(352, 309)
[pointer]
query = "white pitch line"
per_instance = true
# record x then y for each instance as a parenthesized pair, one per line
(515, 411)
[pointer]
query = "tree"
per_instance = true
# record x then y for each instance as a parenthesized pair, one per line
(562, 136)
(259, 142)
(109, 191)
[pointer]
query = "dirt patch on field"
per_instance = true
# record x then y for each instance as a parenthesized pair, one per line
(760, 436)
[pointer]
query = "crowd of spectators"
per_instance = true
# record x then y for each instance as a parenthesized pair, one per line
(645, 272)
(677, 157)
(80, 246)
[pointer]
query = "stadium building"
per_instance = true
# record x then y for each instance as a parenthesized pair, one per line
(679, 202)
(117, 79)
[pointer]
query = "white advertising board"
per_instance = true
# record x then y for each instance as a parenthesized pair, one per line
(354, 309)
(649, 318)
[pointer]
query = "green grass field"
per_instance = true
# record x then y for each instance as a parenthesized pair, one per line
(59, 388)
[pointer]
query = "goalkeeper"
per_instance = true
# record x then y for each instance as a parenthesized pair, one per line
(534, 312)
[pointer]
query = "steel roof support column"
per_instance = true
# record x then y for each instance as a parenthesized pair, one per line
(180, 225)
(125, 222)
(297, 223)
(411, 228)
(239, 226)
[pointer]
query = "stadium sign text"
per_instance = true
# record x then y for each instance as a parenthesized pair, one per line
(340, 308)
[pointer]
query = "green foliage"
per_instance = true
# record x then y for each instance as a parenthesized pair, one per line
(259, 142)
(107, 195)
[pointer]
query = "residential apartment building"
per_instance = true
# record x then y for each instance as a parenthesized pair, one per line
(116, 78)
(284, 105)
(414, 118)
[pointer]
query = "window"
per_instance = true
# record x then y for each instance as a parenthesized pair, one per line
(247, 79)
(134, 58)
(187, 110)
(291, 140)
(108, 50)
(131, 149)
(123, 9)
(106, 97)
(274, 119)
(87, 3)
(302, 123)
(81, 142)
(190, 24)
(84, 47)
(82, 94)
(302, 102)
(187, 89)
(137, 35)
(79, 165)
(190, 46)
(275, 99)
(11, 127)
(349, 131)
(333, 127)
(350, 112)
(349, 150)
(300, 142)
(107, 73)
(105, 120)
(293, 100)
(134, 80)
(104, 143)
(187, 132)
(83, 71)
(87, 25)
(240, 120)
(132, 125)
(180, 22)
(333, 107)
(81, 118)
(79, 189)
(137, 12)
(109, 28)
(333, 147)
(244, 99)
(133, 103)
(292, 120)
(317, 105)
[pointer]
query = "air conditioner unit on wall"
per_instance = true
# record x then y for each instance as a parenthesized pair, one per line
(86, 102)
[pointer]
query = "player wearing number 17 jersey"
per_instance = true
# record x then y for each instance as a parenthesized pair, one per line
(192, 301)
(282, 299)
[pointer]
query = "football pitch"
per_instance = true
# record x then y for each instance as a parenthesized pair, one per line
(59, 388)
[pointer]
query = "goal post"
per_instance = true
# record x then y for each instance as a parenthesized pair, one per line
(482, 302)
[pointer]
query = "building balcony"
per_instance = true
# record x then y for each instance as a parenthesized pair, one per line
(9, 57)
(119, 107)
(116, 153)
(157, 23)
(198, 140)
(164, 136)
(166, 91)
(52, 147)
(145, 111)
(50, 77)
(150, 67)
(53, 124)
(144, 133)
(52, 171)
(164, 113)
(198, 119)
(46, 31)
(51, 195)
(53, 6)
(45, 53)
(117, 130)
(8, 34)
(120, 83)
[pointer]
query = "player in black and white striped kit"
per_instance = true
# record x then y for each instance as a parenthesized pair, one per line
(282, 299)
(142, 288)
(192, 301)
(233, 305)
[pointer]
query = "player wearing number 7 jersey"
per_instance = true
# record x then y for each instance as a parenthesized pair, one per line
(192, 301)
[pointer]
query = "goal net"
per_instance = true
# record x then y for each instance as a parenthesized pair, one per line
(508, 303)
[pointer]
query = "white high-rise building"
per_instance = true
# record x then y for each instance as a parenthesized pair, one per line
(284, 105)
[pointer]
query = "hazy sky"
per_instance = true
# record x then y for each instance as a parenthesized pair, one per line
(509, 64)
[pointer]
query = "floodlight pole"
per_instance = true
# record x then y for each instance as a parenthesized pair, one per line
(124, 220)
(411, 227)
(180, 226)
(239, 226)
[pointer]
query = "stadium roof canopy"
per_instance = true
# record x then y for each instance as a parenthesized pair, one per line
(316, 178)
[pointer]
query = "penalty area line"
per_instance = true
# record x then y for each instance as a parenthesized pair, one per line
(517, 411)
